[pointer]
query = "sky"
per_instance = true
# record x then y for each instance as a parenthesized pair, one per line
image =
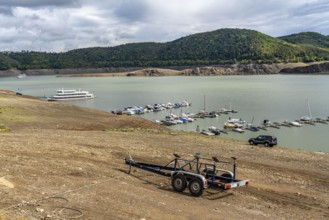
(62, 25)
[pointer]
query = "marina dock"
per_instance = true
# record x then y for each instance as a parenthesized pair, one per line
(236, 125)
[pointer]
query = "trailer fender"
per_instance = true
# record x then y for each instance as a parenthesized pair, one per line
(229, 173)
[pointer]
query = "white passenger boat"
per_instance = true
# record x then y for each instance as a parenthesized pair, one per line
(70, 94)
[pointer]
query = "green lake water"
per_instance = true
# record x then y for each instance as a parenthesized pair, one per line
(273, 97)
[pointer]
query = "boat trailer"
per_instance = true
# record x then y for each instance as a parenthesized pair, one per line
(197, 174)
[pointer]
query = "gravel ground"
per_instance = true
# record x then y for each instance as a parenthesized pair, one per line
(65, 162)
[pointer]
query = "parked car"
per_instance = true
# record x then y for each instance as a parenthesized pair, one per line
(267, 140)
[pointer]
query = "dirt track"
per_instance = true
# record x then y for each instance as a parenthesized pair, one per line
(67, 162)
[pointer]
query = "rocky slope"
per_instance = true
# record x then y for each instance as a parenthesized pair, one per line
(322, 68)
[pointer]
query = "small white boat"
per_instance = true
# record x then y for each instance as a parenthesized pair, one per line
(209, 133)
(185, 103)
(305, 118)
(169, 105)
(226, 111)
(179, 121)
(236, 120)
(231, 125)
(267, 123)
(214, 130)
(251, 127)
(240, 130)
(295, 123)
(21, 76)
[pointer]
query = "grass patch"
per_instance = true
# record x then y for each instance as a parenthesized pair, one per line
(3, 128)
(6, 216)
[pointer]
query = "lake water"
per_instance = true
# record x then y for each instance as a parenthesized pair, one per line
(273, 97)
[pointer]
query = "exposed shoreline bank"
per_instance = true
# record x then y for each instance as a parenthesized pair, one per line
(236, 69)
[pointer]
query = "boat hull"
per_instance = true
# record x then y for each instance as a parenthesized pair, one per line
(69, 99)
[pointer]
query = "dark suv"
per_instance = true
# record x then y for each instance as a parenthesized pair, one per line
(267, 140)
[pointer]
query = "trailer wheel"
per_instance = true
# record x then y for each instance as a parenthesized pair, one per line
(196, 187)
(179, 183)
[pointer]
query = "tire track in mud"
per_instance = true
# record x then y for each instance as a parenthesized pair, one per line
(289, 199)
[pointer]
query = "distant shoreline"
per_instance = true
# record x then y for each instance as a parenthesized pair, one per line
(236, 69)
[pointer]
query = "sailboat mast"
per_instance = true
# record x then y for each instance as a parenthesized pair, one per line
(309, 108)
(204, 102)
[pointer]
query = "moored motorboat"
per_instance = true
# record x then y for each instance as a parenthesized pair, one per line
(305, 118)
(214, 130)
(229, 125)
(320, 120)
(240, 130)
(236, 120)
(295, 123)
(209, 133)
(251, 127)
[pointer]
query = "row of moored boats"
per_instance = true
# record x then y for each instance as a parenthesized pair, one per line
(240, 125)
(138, 110)
(232, 124)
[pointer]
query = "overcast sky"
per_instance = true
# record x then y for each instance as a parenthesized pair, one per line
(62, 25)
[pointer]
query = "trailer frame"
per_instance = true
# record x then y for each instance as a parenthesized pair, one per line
(197, 174)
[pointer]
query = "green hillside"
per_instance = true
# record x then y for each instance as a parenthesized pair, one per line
(128, 55)
(308, 38)
(7, 62)
(230, 45)
(224, 46)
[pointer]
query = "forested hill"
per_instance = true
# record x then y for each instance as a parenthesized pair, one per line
(223, 46)
(308, 38)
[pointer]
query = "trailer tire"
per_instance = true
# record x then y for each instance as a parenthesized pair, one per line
(179, 183)
(196, 187)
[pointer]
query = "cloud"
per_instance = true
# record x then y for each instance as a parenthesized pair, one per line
(131, 10)
(38, 3)
(61, 25)
(321, 7)
(5, 11)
